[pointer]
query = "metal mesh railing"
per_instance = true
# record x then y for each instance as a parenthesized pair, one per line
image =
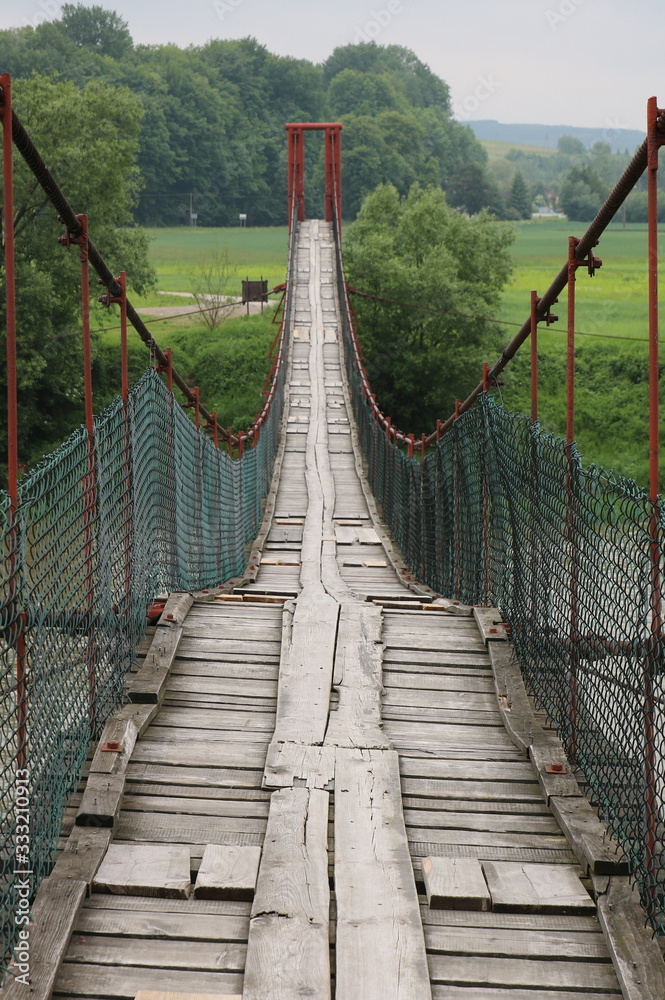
(501, 513)
(147, 505)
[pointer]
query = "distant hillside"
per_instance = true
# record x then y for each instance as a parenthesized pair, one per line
(547, 136)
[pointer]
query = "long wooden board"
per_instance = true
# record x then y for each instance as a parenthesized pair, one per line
(380, 946)
(288, 949)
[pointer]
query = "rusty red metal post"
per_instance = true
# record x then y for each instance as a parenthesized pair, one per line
(333, 140)
(534, 356)
(652, 662)
(573, 264)
(333, 167)
(19, 623)
(124, 363)
(89, 484)
(296, 171)
(570, 368)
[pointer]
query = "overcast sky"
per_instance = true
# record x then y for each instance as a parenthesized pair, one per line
(570, 62)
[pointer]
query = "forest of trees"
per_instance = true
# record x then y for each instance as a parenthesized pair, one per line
(212, 118)
(572, 179)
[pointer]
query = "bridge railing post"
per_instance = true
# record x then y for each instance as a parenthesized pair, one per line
(653, 658)
(89, 483)
(16, 617)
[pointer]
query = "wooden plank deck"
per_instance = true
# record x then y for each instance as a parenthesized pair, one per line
(347, 740)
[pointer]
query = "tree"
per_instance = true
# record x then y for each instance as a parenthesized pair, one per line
(471, 190)
(582, 194)
(89, 139)
(519, 198)
(96, 28)
(209, 288)
(570, 146)
(442, 274)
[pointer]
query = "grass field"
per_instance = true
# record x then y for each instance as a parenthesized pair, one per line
(498, 148)
(611, 345)
(176, 254)
(611, 320)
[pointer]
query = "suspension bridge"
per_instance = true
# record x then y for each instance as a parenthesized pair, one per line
(395, 729)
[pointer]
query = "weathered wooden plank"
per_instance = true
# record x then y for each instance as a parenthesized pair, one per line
(45, 939)
(288, 949)
(126, 951)
(147, 686)
(100, 804)
(562, 782)
(492, 921)
(82, 855)
(175, 926)
(165, 828)
(536, 888)
(121, 731)
(231, 686)
(596, 850)
(466, 770)
(440, 700)
(482, 821)
(193, 806)
(184, 907)
(224, 668)
(304, 679)
(380, 949)
(455, 884)
(396, 680)
(145, 870)
(488, 852)
(356, 721)
(525, 943)
(481, 791)
(492, 838)
(76, 979)
(637, 958)
(533, 974)
(200, 754)
(196, 778)
(176, 608)
(217, 719)
(288, 762)
(227, 872)
(489, 622)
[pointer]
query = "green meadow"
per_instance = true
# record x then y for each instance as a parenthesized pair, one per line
(177, 255)
(611, 342)
(611, 376)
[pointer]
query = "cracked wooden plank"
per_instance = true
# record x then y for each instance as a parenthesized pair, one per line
(288, 948)
(356, 722)
(380, 947)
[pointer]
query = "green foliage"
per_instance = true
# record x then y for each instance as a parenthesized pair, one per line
(96, 28)
(570, 146)
(582, 193)
(89, 137)
(442, 270)
(212, 134)
(520, 198)
(229, 364)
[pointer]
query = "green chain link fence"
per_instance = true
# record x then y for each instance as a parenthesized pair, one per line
(502, 513)
(164, 511)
